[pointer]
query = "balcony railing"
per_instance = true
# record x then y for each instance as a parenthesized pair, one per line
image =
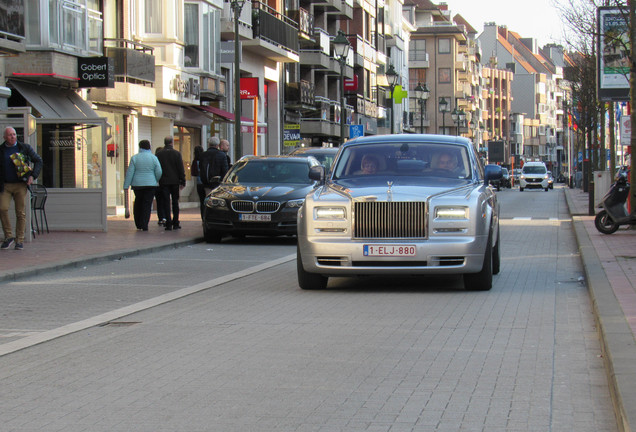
(305, 22)
(134, 62)
(274, 27)
(300, 93)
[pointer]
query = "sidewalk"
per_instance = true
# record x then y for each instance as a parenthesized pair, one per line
(59, 249)
(609, 262)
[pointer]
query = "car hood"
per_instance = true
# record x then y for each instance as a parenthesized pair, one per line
(277, 192)
(400, 189)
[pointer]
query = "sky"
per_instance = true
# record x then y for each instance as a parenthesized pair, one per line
(537, 19)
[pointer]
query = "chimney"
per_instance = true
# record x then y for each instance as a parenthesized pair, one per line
(503, 31)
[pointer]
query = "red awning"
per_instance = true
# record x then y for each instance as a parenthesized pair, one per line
(225, 115)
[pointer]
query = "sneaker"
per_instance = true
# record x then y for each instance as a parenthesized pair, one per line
(7, 243)
(161, 222)
(19, 246)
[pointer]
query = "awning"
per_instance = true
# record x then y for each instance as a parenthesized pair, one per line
(53, 102)
(224, 115)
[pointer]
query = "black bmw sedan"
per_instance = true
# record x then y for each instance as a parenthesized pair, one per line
(260, 195)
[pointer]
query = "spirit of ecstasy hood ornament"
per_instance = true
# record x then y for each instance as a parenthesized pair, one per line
(389, 192)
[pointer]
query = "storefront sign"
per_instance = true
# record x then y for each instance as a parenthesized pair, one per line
(249, 88)
(291, 135)
(96, 72)
(177, 86)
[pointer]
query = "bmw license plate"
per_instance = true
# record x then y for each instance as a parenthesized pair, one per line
(254, 217)
(389, 250)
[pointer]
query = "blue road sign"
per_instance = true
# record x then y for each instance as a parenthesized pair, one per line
(356, 131)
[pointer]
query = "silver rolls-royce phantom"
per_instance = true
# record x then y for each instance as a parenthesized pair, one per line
(401, 204)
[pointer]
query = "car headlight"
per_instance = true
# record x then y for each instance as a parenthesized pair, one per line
(451, 213)
(295, 203)
(330, 213)
(213, 202)
(522, 176)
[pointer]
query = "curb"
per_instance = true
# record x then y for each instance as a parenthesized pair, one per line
(617, 342)
(94, 259)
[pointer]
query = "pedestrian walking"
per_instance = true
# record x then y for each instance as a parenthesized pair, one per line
(213, 165)
(224, 146)
(161, 217)
(20, 165)
(171, 183)
(194, 172)
(143, 175)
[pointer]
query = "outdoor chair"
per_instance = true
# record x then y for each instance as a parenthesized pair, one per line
(38, 210)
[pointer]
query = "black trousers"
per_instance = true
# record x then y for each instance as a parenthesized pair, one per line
(201, 193)
(142, 207)
(160, 209)
(170, 199)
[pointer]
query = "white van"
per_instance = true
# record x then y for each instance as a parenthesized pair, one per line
(534, 175)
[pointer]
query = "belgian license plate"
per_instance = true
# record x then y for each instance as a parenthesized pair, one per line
(253, 217)
(389, 250)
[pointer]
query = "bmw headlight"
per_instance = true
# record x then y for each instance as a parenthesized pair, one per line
(451, 213)
(295, 203)
(213, 202)
(329, 213)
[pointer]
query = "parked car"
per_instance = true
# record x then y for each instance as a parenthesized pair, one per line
(534, 175)
(415, 213)
(260, 195)
(324, 155)
(550, 180)
(504, 181)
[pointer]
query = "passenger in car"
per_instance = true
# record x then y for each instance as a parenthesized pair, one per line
(446, 162)
(369, 165)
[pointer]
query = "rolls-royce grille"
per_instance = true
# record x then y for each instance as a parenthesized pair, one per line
(243, 206)
(267, 206)
(390, 219)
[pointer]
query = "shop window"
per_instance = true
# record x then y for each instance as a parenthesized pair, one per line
(71, 154)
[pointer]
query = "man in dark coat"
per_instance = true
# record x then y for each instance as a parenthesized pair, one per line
(171, 183)
(213, 164)
(16, 176)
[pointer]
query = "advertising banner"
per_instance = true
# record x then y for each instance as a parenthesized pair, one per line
(613, 62)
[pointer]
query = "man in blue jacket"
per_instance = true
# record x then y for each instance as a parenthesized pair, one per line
(16, 175)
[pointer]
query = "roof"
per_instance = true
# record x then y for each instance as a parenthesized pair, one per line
(458, 19)
(409, 138)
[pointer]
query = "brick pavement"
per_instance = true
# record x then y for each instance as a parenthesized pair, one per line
(610, 266)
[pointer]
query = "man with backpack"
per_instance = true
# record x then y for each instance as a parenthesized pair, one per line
(212, 163)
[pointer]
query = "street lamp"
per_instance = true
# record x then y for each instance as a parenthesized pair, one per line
(422, 93)
(341, 51)
(458, 117)
(392, 76)
(443, 108)
(237, 6)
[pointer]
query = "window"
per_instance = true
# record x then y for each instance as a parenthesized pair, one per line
(71, 26)
(191, 37)
(153, 16)
(444, 46)
(417, 50)
(444, 75)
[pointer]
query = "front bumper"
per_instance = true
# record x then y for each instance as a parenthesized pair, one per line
(345, 257)
(533, 183)
(226, 222)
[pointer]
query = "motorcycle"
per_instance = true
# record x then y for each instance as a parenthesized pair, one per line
(613, 213)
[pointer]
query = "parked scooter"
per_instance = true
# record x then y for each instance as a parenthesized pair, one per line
(613, 213)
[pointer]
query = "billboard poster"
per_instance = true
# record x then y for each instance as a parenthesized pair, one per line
(613, 63)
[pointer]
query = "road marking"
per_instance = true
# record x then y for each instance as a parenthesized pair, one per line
(116, 314)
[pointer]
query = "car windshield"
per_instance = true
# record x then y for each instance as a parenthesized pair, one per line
(404, 159)
(534, 169)
(270, 171)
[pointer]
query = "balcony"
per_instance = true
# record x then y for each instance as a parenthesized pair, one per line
(275, 35)
(318, 121)
(341, 9)
(134, 75)
(300, 95)
(12, 35)
(305, 22)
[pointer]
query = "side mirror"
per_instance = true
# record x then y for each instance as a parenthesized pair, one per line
(317, 173)
(492, 172)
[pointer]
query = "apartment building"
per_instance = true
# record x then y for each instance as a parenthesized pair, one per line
(444, 54)
(497, 98)
(535, 88)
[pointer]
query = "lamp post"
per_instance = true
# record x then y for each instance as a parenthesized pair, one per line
(237, 6)
(458, 117)
(392, 76)
(341, 51)
(443, 108)
(422, 93)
